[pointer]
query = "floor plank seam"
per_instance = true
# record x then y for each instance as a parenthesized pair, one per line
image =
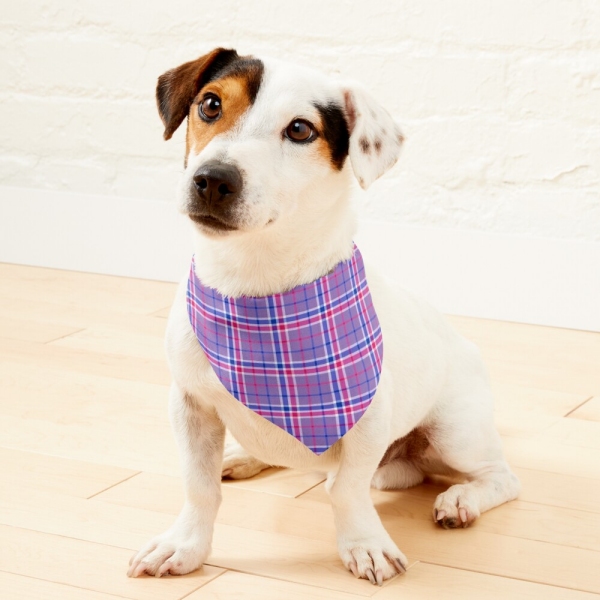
(593, 478)
(62, 337)
(113, 485)
(76, 587)
(312, 487)
(205, 584)
(578, 406)
(70, 537)
(554, 585)
(307, 584)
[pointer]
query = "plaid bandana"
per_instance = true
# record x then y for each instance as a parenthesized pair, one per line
(308, 360)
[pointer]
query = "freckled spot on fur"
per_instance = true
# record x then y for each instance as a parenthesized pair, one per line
(377, 145)
(361, 181)
(400, 138)
(365, 146)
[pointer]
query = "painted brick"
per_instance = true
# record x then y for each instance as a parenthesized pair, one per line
(499, 100)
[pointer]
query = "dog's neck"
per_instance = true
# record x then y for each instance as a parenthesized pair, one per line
(278, 258)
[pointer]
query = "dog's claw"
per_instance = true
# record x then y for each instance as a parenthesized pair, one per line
(379, 577)
(399, 566)
(354, 569)
(439, 515)
(371, 576)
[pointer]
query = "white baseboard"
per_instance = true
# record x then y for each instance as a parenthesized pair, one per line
(531, 280)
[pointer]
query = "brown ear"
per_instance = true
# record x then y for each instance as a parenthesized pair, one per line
(177, 88)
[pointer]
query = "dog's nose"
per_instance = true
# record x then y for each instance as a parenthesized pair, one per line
(218, 183)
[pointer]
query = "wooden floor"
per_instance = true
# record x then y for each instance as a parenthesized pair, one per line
(89, 470)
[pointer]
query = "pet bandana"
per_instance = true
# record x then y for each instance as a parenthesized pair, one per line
(308, 360)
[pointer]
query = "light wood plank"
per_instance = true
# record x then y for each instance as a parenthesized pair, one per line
(111, 340)
(426, 581)
(80, 361)
(520, 519)
(99, 395)
(524, 411)
(18, 587)
(479, 548)
(282, 482)
(550, 358)
(95, 418)
(250, 587)
(49, 473)
(78, 316)
(529, 520)
(90, 566)
(72, 288)
(551, 456)
(590, 411)
(399, 510)
(573, 432)
(555, 489)
(163, 493)
(311, 561)
(33, 331)
(122, 443)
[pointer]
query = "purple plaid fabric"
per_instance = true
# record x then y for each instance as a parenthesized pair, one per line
(308, 360)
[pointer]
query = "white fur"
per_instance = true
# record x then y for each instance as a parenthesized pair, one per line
(295, 224)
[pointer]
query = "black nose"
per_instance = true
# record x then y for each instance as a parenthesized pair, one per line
(218, 183)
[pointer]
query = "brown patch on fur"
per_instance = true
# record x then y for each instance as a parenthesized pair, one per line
(334, 138)
(235, 101)
(177, 88)
(411, 447)
(377, 145)
(365, 145)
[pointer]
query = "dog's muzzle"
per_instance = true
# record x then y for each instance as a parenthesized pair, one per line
(216, 187)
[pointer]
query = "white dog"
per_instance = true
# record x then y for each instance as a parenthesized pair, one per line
(266, 186)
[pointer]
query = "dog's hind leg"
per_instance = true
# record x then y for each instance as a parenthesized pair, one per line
(398, 474)
(468, 442)
(400, 466)
(238, 464)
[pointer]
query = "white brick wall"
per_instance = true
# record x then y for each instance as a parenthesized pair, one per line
(500, 99)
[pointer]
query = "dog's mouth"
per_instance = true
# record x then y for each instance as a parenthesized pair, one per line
(211, 222)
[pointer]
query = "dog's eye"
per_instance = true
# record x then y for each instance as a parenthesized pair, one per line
(210, 108)
(299, 130)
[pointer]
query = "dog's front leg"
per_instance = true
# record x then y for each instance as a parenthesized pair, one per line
(184, 547)
(365, 546)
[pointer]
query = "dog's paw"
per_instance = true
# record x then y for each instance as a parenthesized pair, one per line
(238, 464)
(372, 559)
(456, 507)
(170, 554)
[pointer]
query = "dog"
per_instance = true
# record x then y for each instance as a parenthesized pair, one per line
(271, 150)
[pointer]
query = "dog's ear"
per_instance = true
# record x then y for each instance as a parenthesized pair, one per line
(375, 138)
(177, 88)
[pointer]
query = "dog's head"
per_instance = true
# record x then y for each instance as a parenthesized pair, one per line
(265, 138)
